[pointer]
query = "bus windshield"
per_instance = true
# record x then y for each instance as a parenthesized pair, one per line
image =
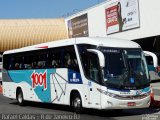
(125, 68)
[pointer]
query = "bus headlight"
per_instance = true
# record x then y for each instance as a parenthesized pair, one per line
(107, 93)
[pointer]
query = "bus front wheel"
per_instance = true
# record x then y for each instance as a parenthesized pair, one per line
(20, 98)
(77, 103)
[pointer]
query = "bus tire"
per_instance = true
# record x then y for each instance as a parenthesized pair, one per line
(20, 98)
(77, 103)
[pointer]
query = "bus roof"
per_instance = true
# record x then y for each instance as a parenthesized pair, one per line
(98, 41)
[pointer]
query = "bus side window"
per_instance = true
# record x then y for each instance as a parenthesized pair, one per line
(67, 60)
(54, 60)
(6, 64)
(149, 60)
(90, 66)
(11, 63)
(63, 57)
(42, 60)
(90, 63)
(55, 63)
(15, 63)
(17, 66)
(70, 59)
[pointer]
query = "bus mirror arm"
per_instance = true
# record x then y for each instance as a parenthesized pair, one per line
(154, 57)
(100, 56)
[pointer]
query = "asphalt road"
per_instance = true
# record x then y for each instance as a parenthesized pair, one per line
(40, 111)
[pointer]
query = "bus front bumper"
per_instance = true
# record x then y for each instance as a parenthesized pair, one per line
(113, 103)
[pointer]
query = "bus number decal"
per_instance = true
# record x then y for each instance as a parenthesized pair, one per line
(39, 79)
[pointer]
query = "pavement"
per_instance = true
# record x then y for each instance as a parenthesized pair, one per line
(42, 111)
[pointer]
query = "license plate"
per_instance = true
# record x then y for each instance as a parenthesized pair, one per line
(131, 104)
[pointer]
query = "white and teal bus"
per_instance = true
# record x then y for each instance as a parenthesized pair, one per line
(99, 73)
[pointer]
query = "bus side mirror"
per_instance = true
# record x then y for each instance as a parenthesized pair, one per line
(154, 57)
(100, 56)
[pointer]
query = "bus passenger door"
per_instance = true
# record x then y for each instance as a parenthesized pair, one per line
(94, 95)
(92, 72)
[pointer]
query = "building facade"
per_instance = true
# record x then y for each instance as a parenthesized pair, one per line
(136, 20)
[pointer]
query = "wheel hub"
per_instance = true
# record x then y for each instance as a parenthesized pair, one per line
(77, 103)
(20, 98)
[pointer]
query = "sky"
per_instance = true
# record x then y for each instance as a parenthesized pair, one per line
(22, 9)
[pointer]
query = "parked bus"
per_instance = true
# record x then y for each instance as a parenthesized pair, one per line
(99, 73)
